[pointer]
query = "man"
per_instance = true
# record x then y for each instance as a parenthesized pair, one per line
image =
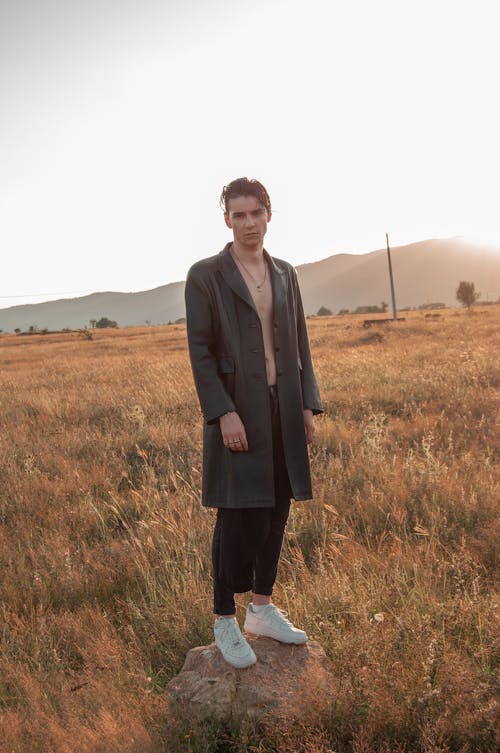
(255, 381)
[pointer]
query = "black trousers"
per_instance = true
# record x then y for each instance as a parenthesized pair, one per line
(247, 542)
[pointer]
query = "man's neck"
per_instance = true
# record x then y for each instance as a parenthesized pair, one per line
(249, 254)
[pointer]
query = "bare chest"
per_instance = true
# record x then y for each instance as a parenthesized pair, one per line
(262, 296)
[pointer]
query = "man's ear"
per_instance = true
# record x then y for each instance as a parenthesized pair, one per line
(269, 215)
(227, 220)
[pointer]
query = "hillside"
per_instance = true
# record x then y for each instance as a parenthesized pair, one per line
(427, 271)
(159, 306)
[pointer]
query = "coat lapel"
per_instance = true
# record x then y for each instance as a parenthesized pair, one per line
(234, 279)
(278, 284)
(232, 276)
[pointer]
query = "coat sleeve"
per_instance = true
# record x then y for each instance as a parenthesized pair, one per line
(310, 391)
(213, 397)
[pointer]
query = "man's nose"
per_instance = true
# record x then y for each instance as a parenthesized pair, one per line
(249, 220)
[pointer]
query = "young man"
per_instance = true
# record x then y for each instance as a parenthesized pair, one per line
(257, 389)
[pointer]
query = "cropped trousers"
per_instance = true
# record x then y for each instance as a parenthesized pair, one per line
(247, 542)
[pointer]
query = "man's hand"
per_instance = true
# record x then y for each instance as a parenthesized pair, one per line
(233, 432)
(308, 425)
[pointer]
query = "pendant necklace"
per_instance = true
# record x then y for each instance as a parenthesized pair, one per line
(257, 284)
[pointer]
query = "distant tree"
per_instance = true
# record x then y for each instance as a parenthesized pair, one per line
(369, 310)
(147, 322)
(104, 322)
(180, 320)
(466, 294)
(384, 306)
(343, 311)
(323, 311)
(17, 330)
(435, 305)
(33, 328)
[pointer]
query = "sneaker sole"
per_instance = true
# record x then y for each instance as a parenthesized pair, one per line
(238, 666)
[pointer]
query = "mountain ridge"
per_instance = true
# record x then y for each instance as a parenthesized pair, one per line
(424, 271)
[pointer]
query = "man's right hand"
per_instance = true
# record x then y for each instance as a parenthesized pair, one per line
(233, 432)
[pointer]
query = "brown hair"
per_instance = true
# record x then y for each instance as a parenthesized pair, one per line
(244, 187)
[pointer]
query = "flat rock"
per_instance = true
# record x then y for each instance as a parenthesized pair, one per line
(283, 680)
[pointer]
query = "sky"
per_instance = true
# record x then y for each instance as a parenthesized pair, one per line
(121, 121)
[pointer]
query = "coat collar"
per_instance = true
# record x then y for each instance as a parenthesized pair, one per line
(234, 279)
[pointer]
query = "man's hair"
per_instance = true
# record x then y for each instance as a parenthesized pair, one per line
(244, 187)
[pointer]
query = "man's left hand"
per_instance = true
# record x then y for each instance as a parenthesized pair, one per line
(308, 425)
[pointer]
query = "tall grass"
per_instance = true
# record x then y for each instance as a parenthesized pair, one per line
(104, 549)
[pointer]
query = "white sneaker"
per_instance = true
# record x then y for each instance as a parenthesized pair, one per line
(272, 622)
(232, 645)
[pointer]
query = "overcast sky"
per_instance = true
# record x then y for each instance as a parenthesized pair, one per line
(121, 120)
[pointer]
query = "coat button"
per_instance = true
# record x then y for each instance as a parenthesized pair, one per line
(277, 349)
(252, 324)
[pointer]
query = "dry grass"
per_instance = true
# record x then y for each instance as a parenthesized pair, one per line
(105, 549)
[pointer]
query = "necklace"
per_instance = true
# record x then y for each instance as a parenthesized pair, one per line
(257, 284)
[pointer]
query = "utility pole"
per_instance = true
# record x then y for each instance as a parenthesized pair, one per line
(394, 311)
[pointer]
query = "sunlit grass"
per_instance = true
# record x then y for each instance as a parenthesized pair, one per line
(105, 549)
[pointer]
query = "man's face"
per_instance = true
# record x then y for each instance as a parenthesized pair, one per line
(248, 220)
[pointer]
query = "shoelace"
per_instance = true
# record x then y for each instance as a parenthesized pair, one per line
(234, 636)
(284, 616)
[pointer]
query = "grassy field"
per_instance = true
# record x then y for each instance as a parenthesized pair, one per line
(104, 547)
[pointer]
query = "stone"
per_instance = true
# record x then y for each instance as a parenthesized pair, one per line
(285, 678)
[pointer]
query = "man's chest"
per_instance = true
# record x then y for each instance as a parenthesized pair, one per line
(262, 297)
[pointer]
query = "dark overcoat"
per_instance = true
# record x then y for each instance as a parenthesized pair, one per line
(228, 361)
